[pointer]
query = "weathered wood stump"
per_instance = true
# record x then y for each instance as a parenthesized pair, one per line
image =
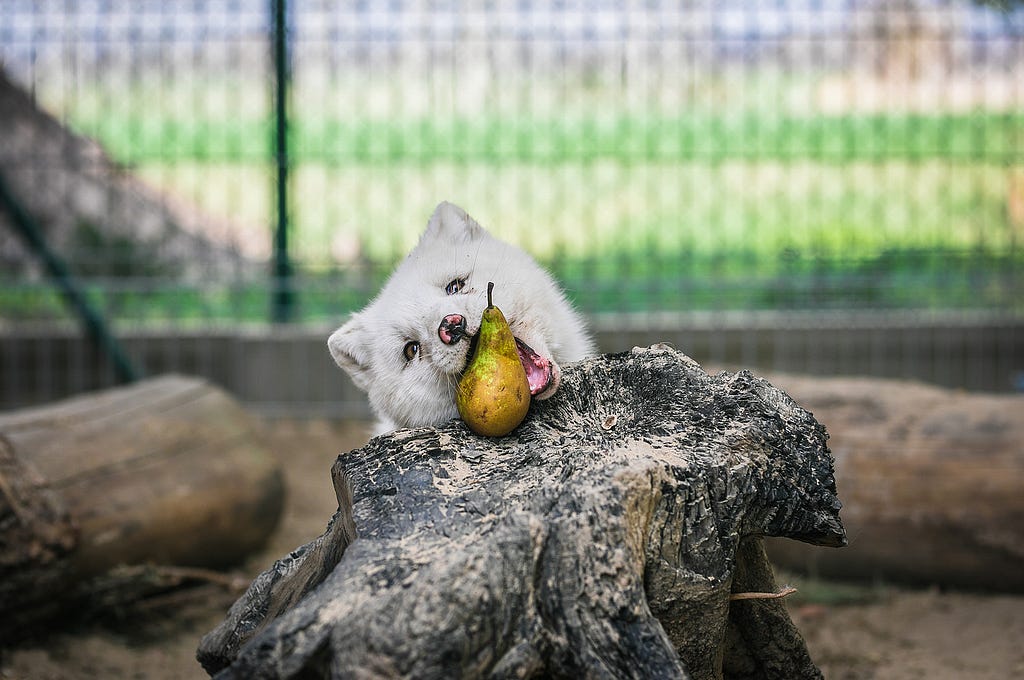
(932, 483)
(602, 539)
(167, 471)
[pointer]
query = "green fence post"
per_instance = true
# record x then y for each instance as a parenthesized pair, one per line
(92, 320)
(283, 302)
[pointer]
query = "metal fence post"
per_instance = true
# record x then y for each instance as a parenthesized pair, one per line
(283, 294)
(92, 319)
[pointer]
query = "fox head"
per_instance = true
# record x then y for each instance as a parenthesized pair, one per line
(409, 346)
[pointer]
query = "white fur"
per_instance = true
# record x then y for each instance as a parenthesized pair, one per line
(413, 302)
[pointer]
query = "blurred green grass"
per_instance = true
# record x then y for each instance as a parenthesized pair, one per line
(766, 209)
(633, 212)
(144, 136)
(921, 280)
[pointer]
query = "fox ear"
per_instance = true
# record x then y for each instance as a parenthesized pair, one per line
(348, 347)
(451, 223)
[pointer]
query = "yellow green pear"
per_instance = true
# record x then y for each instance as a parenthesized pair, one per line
(494, 394)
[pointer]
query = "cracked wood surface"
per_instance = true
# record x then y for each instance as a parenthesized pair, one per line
(601, 539)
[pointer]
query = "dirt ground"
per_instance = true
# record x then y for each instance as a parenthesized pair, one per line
(854, 632)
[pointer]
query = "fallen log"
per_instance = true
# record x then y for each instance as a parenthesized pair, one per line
(932, 483)
(167, 471)
(604, 538)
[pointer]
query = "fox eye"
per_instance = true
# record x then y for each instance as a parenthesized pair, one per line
(454, 286)
(411, 350)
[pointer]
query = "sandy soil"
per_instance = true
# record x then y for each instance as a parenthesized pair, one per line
(854, 633)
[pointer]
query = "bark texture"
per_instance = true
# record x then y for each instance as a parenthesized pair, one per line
(601, 539)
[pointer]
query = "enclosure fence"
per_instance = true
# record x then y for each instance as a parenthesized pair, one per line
(808, 186)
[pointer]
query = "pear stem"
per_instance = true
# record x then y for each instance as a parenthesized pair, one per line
(490, 287)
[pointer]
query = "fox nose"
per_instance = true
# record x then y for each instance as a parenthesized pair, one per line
(452, 329)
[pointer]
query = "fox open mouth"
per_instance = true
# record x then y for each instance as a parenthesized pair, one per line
(540, 372)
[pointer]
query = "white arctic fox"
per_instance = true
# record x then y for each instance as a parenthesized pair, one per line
(409, 346)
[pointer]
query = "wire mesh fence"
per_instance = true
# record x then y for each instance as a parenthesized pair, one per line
(661, 158)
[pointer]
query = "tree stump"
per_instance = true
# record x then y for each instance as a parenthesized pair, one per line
(603, 538)
(167, 471)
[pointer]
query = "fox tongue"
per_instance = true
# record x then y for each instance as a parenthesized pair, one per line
(538, 369)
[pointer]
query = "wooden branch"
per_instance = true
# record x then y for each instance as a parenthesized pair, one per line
(603, 538)
(785, 592)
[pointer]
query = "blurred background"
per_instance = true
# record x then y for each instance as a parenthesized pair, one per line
(830, 188)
